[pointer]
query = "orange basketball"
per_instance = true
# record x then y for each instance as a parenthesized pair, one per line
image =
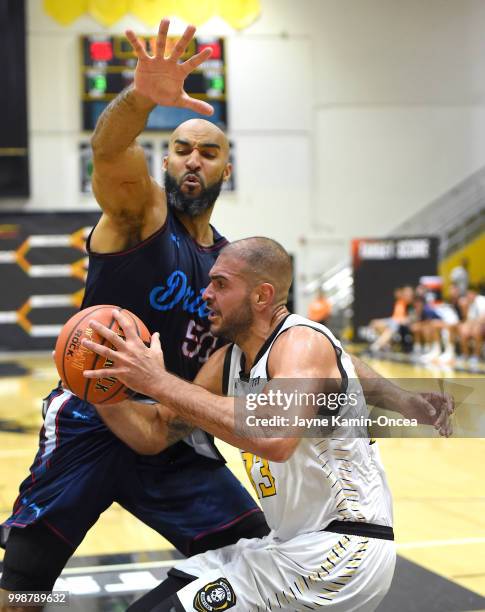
(72, 358)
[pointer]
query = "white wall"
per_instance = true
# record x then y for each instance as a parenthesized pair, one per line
(348, 116)
(399, 109)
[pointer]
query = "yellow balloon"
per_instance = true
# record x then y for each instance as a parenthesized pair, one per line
(239, 14)
(196, 12)
(152, 11)
(108, 12)
(65, 12)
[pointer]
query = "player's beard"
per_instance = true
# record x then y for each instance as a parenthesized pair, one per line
(236, 326)
(191, 206)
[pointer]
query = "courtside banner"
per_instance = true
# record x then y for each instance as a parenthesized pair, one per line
(380, 266)
(43, 266)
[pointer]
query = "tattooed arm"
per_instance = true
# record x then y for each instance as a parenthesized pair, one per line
(150, 428)
(146, 428)
(121, 182)
(133, 204)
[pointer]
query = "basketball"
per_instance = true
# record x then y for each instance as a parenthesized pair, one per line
(72, 358)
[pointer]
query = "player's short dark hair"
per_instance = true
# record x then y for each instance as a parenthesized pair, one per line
(266, 261)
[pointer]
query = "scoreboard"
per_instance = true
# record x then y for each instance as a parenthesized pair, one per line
(108, 65)
(382, 265)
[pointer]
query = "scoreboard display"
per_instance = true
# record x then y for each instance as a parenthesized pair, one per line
(380, 266)
(108, 66)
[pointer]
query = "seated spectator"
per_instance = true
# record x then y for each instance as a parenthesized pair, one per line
(450, 315)
(472, 330)
(459, 276)
(435, 324)
(456, 301)
(386, 328)
(425, 336)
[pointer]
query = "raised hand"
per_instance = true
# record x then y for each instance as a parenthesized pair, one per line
(162, 79)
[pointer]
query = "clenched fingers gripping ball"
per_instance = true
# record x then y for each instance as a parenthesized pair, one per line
(72, 358)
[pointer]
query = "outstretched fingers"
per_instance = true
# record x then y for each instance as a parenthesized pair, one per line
(162, 38)
(196, 60)
(182, 43)
(138, 46)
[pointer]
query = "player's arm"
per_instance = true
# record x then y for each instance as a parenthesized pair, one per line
(428, 408)
(302, 354)
(121, 182)
(302, 361)
(149, 428)
(133, 204)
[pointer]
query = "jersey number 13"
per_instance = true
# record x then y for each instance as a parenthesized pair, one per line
(258, 470)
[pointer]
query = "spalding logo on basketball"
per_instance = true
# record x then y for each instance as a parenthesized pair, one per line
(217, 595)
(72, 358)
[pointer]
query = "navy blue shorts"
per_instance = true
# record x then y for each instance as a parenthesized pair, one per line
(81, 468)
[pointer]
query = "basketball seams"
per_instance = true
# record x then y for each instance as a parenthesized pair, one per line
(93, 360)
(88, 313)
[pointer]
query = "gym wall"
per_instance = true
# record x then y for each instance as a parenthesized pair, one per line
(346, 116)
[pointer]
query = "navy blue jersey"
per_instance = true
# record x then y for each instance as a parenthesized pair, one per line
(161, 280)
(185, 492)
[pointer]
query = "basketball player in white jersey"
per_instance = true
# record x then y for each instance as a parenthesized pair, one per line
(325, 498)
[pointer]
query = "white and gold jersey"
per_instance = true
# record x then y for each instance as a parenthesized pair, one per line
(337, 478)
(324, 506)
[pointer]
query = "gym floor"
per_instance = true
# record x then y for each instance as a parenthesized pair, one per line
(437, 484)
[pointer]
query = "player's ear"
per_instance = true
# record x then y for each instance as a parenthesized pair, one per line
(264, 295)
(226, 175)
(165, 162)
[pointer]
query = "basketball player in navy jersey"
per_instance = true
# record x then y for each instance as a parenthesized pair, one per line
(151, 253)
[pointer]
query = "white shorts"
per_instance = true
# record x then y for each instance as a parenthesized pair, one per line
(338, 572)
(447, 314)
